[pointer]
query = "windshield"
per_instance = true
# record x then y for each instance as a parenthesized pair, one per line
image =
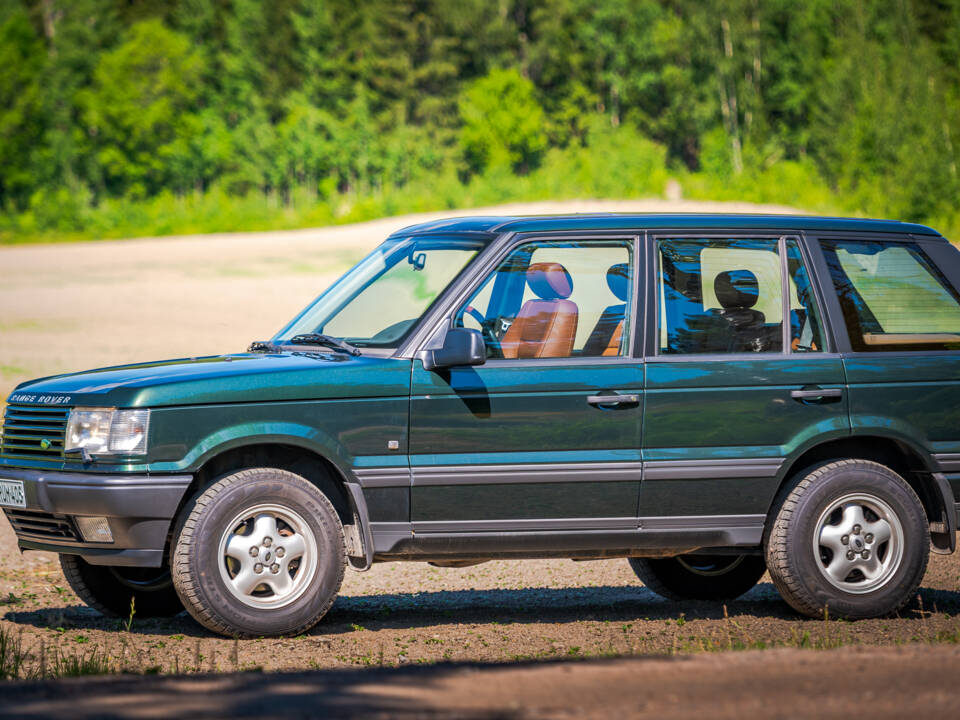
(380, 300)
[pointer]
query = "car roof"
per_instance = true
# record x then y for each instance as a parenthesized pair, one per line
(654, 221)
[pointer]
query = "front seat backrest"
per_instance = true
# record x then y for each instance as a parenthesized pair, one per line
(547, 326)
(608, 332)
(737, 292)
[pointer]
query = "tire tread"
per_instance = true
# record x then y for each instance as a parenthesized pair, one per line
(73, 572)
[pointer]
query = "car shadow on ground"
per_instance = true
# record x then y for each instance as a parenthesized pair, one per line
(366, 693)
(503, 606)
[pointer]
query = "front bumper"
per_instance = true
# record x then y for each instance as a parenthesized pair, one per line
(139, 508)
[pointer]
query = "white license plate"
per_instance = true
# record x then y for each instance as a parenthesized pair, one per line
(11, 493)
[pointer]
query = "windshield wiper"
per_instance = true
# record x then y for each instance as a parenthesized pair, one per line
(325, 341)
(261, 346)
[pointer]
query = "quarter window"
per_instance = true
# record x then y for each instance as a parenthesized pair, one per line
(892, 296)
(556, 299)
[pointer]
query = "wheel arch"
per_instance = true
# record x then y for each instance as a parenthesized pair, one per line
(904, 457)
(298, 458)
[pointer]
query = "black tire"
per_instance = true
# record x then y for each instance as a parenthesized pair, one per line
(803, 577)
(700, 577)
(210, 592)
(110, 589)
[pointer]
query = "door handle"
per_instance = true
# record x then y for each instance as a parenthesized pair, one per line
(817, 395)
(613, 400)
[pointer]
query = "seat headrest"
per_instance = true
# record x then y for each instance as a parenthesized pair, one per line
(549, 281)
(736, 289)
(618, 280)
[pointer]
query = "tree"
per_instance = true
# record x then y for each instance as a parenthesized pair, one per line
(140, 110)
(22, 121)
(503, 123)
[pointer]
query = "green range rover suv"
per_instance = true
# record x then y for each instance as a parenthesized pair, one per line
(709, 396)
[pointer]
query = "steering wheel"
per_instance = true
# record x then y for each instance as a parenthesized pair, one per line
(486, 329)
(475, 314)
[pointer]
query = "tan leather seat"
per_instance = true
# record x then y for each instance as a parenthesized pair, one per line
(547, 326)
(607, 335)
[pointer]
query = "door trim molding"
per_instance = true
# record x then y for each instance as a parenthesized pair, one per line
(536, 473)
(549, 473)
(428, 527)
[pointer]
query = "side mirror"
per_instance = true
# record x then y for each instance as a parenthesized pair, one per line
(460, 347)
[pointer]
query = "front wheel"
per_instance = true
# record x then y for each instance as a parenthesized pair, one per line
(851, 539)
(120, 591)
(700, 577)
(260, 552)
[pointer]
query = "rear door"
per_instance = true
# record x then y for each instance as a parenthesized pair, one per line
(742, 374)
(546, 434)
(900, 312)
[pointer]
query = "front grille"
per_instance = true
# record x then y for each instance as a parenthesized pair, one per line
(33, 432)
(30, 523)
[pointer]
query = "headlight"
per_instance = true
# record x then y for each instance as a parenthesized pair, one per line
(106, 431)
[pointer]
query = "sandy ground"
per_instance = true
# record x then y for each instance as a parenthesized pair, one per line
(69, 307)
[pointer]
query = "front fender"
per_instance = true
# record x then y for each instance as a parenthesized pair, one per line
(260, 433)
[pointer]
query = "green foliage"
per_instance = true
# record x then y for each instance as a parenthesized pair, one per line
(138, 111)
(21, 105)
(122, 118)
(502, 122)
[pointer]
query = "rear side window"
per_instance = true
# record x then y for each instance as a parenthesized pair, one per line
(723, 296)
(892, 296)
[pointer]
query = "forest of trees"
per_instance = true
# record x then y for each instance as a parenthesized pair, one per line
(149, 116)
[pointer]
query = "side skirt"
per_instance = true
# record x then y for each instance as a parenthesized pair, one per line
(585, 539)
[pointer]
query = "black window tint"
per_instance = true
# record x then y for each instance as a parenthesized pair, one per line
(806, 334)
(720, 296)
(892, 296)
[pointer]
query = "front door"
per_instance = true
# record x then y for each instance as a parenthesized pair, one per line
(742, 376)
(546, 434)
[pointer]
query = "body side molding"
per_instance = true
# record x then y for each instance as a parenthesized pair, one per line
(532, 473)
(712, 469)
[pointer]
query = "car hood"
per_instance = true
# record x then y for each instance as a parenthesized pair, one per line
(243, 377)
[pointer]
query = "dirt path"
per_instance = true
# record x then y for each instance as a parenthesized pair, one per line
(842, 684)
(83, 305)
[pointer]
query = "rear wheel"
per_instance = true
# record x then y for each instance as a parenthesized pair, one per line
(112, 589)
(259, 552)
(852, 537)
(700, 577)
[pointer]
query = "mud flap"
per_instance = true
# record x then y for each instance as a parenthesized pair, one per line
(359, 539)
(943, 534)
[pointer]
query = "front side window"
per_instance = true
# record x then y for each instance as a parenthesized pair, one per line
(556, 299)
(892, 296)
(721, 296)
(377, 303)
